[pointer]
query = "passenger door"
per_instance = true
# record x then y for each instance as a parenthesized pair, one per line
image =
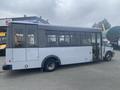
(97, 46)
(32, 43)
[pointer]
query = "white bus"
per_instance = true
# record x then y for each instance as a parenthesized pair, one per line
(47, 46)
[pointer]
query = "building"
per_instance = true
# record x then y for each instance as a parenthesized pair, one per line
(4, 22)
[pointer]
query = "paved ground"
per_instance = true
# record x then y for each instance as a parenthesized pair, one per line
(1, 62)
(97, 76)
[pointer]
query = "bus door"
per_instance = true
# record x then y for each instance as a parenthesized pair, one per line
(97, 47)
(32, 43)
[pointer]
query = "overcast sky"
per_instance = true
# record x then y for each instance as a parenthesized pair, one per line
(64, 12)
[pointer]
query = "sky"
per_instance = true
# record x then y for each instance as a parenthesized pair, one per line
(83, 13)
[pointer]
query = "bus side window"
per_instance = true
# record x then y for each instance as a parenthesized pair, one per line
(31, 36)
(32, 39)
(88, 39)
(64, 40)
(74, 39)
(19, 40)
(83, 38)
(52, 40)
(67, 39)
(93, 38)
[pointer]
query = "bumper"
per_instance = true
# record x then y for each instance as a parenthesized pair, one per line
(7, 67)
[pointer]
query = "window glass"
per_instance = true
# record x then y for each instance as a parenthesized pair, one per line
(52, 40)
(64, 40)
(73, 39)
(98, 38)
(2, 37)
(32, 39)
(86, 38)
(2, 40)
(19, 40)
(61, 38)
(31, 36)
(67, 39)
(93, 38)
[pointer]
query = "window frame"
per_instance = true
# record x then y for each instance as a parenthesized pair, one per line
(32, 30)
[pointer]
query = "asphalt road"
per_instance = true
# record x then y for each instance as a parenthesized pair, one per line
(95, 76)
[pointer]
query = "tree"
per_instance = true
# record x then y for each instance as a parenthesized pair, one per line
(104, 25)
(113, 34)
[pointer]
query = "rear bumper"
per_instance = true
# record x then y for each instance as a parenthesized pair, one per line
(7, 67)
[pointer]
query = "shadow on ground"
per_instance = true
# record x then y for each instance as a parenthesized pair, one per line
(20, 73)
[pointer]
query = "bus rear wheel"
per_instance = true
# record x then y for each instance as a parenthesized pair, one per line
(50, 65)
(108, 56)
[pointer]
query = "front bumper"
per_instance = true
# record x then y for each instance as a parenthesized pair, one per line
(7, 67)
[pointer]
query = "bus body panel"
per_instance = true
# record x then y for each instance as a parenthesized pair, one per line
(67, 55)
(32, 54)
(19, 54)
(26, 65)
(9, 56)
(16, 57)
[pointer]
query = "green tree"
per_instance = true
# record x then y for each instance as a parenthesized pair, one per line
(113, 34)
(104, 25)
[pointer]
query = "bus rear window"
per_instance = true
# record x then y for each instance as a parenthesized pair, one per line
(19, 40)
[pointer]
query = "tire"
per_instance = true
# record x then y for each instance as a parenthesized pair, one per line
(50, 65)
(108, 56)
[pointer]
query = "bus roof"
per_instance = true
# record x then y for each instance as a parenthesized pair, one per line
(68, 28)
(58, 27)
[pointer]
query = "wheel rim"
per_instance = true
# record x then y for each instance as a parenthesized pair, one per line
(108, 57)
(51, 66)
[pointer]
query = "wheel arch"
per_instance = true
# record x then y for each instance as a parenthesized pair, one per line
(108, 52)
(56, 58)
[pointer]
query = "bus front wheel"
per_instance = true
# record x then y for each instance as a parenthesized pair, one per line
(50, 65)
(108, 56)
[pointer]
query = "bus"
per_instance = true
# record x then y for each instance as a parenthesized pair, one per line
(2, 43)
(3, 29)
(50, 46)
